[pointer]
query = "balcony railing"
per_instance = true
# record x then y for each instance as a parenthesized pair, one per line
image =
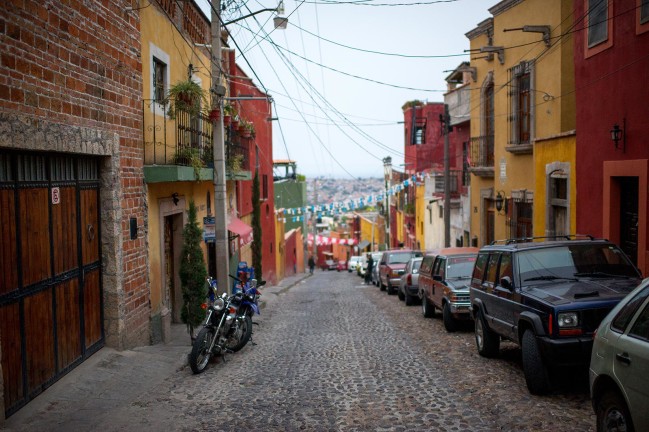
(482, 155)
(186, 139)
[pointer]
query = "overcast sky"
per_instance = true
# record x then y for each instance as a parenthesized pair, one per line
(337, 95)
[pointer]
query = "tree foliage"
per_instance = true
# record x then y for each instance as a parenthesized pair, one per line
(193, 273)
(256, 227)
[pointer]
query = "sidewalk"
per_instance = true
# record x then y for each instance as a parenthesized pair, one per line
(88, 395)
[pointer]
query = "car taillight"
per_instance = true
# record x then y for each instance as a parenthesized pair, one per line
(409, 279)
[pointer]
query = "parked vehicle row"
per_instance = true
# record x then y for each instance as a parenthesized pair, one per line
(552, 297)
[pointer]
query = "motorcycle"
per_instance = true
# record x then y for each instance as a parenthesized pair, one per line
(228, 324)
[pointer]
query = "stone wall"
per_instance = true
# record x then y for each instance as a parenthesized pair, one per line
(71, 81)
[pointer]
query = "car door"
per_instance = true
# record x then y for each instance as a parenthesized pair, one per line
(425, 276)
(631, 365)
(439, 274)
(510, 305)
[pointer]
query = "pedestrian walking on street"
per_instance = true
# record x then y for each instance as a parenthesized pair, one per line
(368, 271)
(311, 264)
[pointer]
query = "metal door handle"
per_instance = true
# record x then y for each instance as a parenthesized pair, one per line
(623, 358)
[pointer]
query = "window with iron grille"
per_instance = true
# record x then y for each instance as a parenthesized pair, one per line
(597, 21)
(521, 109)
(466, 174)
(558, 221)
(159, 72)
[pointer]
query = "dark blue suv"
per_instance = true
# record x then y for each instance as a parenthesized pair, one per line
(548, 297)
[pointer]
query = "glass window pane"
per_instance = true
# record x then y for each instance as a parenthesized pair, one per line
(640, 328)
(597, 21)
(625, 314)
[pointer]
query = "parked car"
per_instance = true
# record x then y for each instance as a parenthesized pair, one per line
(548, 297)
(353, 262)
(329, 264)
(391, 267)
(342, 265)
(619, 365)
(444, 284)
(376, 257)
(409, 285)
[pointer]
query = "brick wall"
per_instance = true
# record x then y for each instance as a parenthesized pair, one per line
(76, 65)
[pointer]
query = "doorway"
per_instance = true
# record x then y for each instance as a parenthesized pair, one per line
(629, 216)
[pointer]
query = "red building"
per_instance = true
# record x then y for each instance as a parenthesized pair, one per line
(611, 72)
(254, 106)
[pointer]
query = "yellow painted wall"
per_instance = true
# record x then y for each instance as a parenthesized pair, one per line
(366, 231)
(420, 214)
(159, 191)
(552, 98)
(157, 30)
(561, 149)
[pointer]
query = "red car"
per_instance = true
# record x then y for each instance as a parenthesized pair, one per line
(342, 265)
(391, 267)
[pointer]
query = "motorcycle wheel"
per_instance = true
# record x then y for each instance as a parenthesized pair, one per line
(240, 337)
(200, 355)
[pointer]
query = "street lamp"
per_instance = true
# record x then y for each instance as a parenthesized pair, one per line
(218, 146)
(387, 171)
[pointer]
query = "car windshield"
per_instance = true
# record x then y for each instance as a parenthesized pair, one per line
(401, 258)
(570, 261)
(460, 267)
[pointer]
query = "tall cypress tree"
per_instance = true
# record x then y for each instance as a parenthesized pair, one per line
(256, 227)
(193, 273)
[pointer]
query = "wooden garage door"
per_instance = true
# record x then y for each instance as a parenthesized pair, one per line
(50, 280)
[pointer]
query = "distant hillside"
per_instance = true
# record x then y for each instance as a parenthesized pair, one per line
(339, 190)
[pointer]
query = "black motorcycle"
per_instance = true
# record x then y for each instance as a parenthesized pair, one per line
(228, 325)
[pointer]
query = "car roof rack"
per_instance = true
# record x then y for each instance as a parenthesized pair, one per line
(554, 237)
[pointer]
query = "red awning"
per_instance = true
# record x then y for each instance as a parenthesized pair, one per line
(242, 229)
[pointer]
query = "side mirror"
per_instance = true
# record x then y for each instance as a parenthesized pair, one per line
(507, 283)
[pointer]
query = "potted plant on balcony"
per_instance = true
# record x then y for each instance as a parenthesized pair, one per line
(187, 96)
(228, 113)
(245, 129)
(234, 164)
(190, 156)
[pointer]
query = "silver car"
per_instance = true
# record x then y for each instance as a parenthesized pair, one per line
(408, 290)
(619, 365)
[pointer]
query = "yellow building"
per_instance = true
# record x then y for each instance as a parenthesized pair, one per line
(420, 214)
(177, 149)
(522, 121)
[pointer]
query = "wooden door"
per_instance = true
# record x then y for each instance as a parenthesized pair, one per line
(50, 286)
(629, 217)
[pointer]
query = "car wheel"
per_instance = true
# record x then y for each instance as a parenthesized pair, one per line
(381, 286)
(450, 323)
(427, 309)
(400, 294)
(612, 413)
(409, 299)
(487, 342)
(389, 289)
(536, 373)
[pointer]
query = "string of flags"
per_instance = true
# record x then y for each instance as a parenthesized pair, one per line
(299, 214)
(323, 240)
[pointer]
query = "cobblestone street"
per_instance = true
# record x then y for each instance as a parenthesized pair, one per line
(332, 354)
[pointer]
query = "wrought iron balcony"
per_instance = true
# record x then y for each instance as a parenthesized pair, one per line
(482, 155)
(186, 141)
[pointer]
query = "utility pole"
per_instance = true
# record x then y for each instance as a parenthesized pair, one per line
(314, 217)
(447, 179)
(218, 149)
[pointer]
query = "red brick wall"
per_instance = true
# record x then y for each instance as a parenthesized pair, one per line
(77, 63)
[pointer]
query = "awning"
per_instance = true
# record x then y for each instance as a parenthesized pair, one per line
(362, 245)
(242, 229)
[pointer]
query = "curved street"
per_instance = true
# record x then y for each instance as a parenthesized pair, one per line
(332, 354)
